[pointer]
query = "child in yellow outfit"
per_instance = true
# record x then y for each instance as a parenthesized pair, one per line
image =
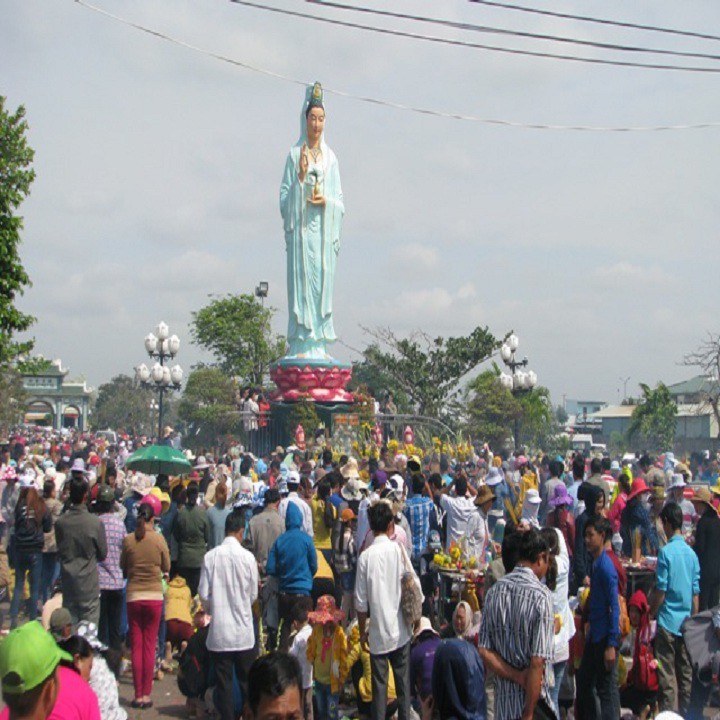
(327, 652)
(362, 676)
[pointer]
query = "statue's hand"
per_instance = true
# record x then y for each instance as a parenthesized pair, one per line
(304, 163)
(317, 200)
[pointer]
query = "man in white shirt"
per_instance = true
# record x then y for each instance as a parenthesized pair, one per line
(228, 588)
(293, 484)
(377, 594)
(458, 509)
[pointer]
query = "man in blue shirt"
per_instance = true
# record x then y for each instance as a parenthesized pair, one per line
(675, 597)
(598, 675)
(421, 516)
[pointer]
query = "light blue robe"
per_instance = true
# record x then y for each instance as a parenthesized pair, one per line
(312, 242)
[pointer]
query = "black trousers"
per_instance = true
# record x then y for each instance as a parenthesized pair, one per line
(225, 664)
(596, 686)
(111, 602)
(709, 594)
(192, 578)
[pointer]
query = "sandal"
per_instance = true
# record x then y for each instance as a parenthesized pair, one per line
(146, 705)
(136, 704)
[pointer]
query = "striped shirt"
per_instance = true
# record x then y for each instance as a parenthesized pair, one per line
(417, 511)
(518, 624)
(110, 575)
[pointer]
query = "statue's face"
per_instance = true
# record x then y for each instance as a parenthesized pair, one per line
(315, 124)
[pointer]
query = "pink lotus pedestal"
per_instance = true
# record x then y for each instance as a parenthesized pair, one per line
(323, 381)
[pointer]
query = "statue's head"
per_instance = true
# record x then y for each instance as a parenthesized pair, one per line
(315, 114)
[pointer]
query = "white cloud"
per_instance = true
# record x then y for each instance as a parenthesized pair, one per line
(631, 276)
(411, 255)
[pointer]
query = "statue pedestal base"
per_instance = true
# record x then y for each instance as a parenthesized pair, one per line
(323, 381)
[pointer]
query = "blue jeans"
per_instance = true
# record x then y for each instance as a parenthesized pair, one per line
(30, 564)
(50, 573)
(327, 702)
(559, 670)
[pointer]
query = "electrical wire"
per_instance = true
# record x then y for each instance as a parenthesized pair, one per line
(596, 20)
(386, 103)
(472, 45)
(512, 33)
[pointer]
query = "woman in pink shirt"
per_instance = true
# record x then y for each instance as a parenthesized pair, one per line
(618, 506)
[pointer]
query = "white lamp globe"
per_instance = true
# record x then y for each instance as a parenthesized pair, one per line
(150, 343)
(173, 344)
(513, 342)
(142, 372)
(165, 375)
(176, 374)
(532, 379)
(505, 352)
(157, 373)
(162, 331)
(519, 380)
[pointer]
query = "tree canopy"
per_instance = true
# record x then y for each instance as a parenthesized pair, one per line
(236, 330)
(208, 405)
(706, 358)
(652, 424)
(124, 404)
(16, 176)
(429, 370)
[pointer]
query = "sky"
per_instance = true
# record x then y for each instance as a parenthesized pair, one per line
(158, 173)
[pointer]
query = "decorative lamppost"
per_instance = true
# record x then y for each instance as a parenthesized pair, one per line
(517, 381)
(160, 378)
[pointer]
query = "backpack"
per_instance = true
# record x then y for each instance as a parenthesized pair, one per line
(703, 646)
(193, 666)
(644, 671)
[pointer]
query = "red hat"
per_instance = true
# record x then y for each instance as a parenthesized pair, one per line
(639, 486)
(326, 611)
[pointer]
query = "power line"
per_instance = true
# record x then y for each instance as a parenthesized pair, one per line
(386, 103)
(596, 20)
(472, 45)
(513, 33)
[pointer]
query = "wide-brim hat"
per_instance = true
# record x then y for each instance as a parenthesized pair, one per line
(414, 464)
(703, 495)
(350, 469)
(560, 497)
(533, 496)
(423, 626)
(326, 611)
(351, 490)
(678, 481)
(163, 497)
(494, 477)
(141, 484)
(485, 494)
(78, 466)
(201, 463)
(639, 487)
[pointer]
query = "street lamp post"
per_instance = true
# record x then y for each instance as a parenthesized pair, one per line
(160, 378)
(517, 381)
(261, 291)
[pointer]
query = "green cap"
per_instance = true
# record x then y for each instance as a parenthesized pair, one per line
(28, 656)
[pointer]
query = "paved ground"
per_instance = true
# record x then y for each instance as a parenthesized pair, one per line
(168, 701)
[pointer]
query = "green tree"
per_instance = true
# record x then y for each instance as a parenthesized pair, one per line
(236, 330)
(491, 409)
(12, 399)
(653, 423)
(16, 176)
(124, 404)
(538, 425)
(561, 415)
(706, 358)
(372, 380)
(208, 406)
(429, 370)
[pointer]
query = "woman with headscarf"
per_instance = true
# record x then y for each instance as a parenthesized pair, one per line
(458, 684)
(530, 508)
(466, 623)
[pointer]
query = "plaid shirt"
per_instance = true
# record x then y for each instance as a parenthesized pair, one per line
(417, 511)
(109, 573)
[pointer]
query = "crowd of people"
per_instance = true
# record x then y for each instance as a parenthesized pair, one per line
(501, 586)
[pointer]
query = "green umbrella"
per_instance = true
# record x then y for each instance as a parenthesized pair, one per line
(159, 460)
